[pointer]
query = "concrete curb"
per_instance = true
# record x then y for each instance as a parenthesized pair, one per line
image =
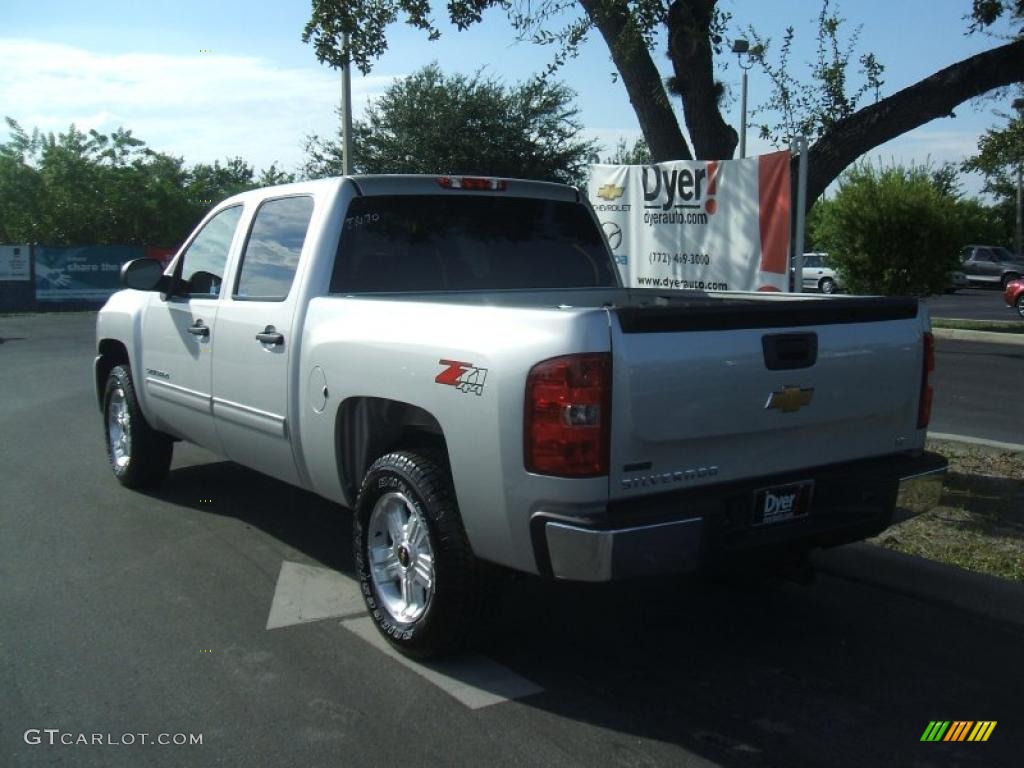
(977, 593)
(977, 442)
(990, 337)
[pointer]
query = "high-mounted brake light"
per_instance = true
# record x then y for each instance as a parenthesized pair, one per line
(567, 417)
(473, 183)
(924, 408)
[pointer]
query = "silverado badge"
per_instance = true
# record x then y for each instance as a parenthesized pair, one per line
(790, 398)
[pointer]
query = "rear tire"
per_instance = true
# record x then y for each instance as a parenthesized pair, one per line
(139, 455)
(423, 586)
(827, 285)
(1020, 305)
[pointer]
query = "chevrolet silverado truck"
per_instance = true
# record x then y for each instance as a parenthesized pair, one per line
(456, 360)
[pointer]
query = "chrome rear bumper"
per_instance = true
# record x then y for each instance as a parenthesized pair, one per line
(905, 487)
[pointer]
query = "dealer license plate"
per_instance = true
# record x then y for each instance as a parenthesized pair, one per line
(783, 502)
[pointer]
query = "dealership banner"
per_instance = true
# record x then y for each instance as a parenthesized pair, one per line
(14, 263)
(708, 225)
(86, 273)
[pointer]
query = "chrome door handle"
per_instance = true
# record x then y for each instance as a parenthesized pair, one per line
(198, 329)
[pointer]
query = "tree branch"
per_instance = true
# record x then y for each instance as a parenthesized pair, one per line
(642, 80)
(926, 100)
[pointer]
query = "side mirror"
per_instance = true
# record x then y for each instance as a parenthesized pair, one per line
(142, 274)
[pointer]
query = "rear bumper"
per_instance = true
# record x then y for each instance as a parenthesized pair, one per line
(679, 532)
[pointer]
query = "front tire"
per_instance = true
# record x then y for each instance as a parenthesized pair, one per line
(422, 584)
(827, 285)
(1020, 305)
(139, 455)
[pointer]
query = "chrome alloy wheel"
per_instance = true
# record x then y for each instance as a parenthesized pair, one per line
(119, 426)
(401, 557)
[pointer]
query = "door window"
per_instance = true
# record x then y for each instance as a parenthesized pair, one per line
(206, 257)
(272, 251)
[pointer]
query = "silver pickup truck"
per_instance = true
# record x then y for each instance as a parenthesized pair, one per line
(456, 360)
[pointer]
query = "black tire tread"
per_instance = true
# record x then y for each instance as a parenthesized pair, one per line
(462, 593)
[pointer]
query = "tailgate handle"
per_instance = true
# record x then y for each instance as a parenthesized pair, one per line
(789, 351)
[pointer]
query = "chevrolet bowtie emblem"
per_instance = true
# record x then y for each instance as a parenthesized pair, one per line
(789, 399)
(610, 192)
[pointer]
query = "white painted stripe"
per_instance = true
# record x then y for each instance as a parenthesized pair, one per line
(306, 593)
(474, 680)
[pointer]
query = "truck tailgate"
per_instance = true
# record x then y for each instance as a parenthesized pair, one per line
(705, 394)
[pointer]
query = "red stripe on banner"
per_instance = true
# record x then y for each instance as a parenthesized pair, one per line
(163, 255)
(712, 177)
(774, 192)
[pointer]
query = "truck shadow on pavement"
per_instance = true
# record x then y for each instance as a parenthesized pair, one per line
(302, 521)
(836, 673)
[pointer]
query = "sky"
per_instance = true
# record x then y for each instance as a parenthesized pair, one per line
(211, 79)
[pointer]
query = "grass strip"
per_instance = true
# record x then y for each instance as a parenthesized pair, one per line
(979, 524)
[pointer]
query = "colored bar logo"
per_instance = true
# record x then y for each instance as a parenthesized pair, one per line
(958, 730)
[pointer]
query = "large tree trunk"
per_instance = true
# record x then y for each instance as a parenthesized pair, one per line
(935, 96)
(642, 80)
(691, 53)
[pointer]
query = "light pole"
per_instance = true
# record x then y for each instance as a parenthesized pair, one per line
(346, 110)
(1018, 104)
(742, 50)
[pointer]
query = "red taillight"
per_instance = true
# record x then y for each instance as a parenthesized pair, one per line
(924, 408)
(473, 183)
(568, 410)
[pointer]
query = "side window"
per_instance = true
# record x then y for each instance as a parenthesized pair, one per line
(272, 251)
(204, 261)
(984, 254)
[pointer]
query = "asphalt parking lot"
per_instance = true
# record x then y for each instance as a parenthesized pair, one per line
(972, 304)
(126, 613)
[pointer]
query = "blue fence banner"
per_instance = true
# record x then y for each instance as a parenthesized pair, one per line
(85, 273)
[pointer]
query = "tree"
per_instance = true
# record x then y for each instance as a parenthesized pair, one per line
(430, 122)
(889, 230)
(810, 108)
(639, 154)
(999, 158)
(692, 32)
(78, 188)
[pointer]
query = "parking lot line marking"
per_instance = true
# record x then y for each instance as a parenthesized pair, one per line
(307, 593)
(474, 680)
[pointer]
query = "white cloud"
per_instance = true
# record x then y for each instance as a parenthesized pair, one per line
(201, 106)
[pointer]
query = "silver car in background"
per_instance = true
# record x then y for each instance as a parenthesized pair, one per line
(819, 275)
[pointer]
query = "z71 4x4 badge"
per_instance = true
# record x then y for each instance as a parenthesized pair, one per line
(465, 377)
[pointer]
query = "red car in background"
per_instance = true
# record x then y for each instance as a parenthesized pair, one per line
(1014, 296)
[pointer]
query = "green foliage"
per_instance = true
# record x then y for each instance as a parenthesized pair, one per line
(639, 154)
(985, 13)
(1000, 153)
(430, 122)
(889, 230)
(78, 188)
(810, 108)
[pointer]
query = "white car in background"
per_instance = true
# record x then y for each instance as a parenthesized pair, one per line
(818, 275)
